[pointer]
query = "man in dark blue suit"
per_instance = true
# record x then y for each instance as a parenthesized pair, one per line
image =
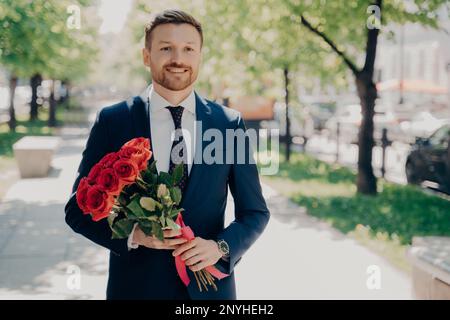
(142, 267)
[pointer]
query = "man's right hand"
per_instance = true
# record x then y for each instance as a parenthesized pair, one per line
(169, 243)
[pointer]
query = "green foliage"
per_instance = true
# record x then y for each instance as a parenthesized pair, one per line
(177, 174)
(34, 38)
(122, 228)
(248, 42)
(400, 212)
(345, 23)
(252, 40)
(152, 202)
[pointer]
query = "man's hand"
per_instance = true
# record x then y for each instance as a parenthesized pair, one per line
(199, 253)
(169, 243)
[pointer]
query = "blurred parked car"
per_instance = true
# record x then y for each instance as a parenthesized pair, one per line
(421, 125)
(429, 159)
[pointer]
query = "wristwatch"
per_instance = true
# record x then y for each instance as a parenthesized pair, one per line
(224, 248)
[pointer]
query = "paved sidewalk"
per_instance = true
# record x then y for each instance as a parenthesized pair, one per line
(297, 257)
(37, 248)
(301, 257)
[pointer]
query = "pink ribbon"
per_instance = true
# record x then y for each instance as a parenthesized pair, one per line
(187, 233)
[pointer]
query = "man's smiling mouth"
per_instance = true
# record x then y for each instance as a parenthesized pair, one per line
(176, 70)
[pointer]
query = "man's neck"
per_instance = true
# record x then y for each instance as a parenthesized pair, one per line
(174, 97)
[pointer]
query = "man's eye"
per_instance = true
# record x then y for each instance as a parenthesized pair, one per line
(165, 48)
(189, 49)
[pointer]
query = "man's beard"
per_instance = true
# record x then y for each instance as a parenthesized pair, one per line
(170, 82)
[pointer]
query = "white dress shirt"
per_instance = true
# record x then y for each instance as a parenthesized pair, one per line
(162, 132)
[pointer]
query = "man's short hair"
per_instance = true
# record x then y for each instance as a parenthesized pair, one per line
(171, 16)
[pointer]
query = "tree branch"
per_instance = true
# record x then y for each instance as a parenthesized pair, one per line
(349, 63)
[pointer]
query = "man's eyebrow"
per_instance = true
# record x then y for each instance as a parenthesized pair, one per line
(163, 41)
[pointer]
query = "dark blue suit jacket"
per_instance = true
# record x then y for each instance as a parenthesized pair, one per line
(145, 273)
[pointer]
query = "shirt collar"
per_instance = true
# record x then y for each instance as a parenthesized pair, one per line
(157, 102)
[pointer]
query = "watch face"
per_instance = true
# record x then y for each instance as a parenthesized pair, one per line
(223, 247)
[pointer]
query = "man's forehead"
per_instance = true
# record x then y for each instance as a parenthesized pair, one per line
(169, 33)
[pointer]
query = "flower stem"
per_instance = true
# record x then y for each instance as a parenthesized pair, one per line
(202, 276)
(211, 280)
(141, 185)
(198, 281)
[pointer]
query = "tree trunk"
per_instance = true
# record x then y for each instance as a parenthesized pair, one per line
(52, 107)
(367, 92)
(35, 82)
(12, 113)
(288, 123)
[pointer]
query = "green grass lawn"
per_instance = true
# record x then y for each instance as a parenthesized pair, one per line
(24, 128)
(385, 223)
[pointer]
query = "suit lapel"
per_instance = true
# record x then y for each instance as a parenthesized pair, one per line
(141, 117)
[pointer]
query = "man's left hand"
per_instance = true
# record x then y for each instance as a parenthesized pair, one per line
(199, 253)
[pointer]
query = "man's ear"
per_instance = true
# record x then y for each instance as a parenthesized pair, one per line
(146, 56)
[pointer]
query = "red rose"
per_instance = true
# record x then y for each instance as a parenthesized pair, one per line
(141, 143)
(126, 170)
(108, 180)
(81, 196)
(108, 160)
(94, 173)
(98, 202)
(139, 156)
(127, 152)
(143, 158)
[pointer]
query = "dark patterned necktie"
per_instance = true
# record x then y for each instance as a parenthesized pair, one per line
(178, 153)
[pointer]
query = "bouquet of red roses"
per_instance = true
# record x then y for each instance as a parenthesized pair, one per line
(123, 188)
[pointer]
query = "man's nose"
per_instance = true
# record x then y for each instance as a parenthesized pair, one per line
(176, 56)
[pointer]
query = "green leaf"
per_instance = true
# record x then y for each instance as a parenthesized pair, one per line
(165, 178)
(152, 168)
(122, 228)
(175, 194)
(177, 173)
(174, 212)
(146, 226)
(150, 178)
(172, 224)
(113, 215)
(147, 230)
(162, 220)
(135, 209)
(157, 231)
